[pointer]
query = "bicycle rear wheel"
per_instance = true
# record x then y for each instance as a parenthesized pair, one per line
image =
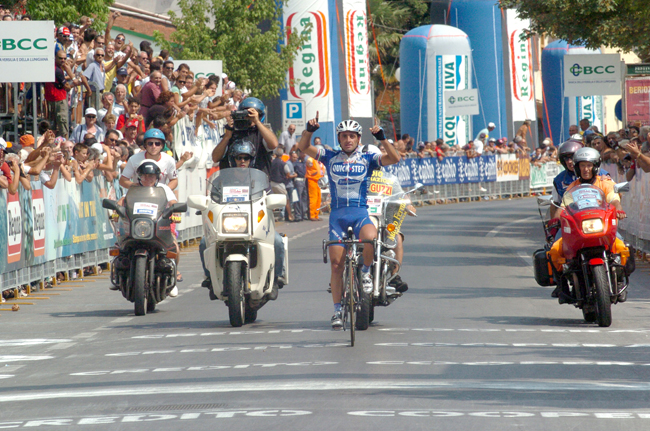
(352, 306)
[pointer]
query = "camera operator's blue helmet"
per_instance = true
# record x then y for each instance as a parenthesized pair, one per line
(254, 102)
(239, 147)
(154, 134)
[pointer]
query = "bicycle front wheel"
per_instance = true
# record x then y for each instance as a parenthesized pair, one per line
(352, 306)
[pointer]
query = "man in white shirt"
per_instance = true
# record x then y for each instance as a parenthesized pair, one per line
(154, 141)
(288, 139)
(491, 126)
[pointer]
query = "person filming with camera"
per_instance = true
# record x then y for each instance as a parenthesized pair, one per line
(246, 123)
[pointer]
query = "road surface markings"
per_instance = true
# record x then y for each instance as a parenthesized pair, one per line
(587, 331)
(307, 232)
(229, 349)
(582, 345)
(333, 385)
(500, 363)
(31, 342)
(19, 358)
(202, 368)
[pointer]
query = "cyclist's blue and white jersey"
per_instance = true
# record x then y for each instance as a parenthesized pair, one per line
(348, 176)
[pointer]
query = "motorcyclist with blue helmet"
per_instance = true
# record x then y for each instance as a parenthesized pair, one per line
(154, 142)
(255, 132)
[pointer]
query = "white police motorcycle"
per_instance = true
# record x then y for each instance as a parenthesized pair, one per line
(239, 233)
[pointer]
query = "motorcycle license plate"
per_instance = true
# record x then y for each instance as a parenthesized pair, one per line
(374, 206)
(145, 208)
(235, 194)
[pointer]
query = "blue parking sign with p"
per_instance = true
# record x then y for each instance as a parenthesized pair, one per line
(294, 110)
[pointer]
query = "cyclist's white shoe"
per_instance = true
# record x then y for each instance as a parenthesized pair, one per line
(337, 320)
(366, 281)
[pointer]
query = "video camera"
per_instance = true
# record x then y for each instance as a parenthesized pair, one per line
(241, 120)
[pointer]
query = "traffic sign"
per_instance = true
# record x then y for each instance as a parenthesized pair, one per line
(293, 112)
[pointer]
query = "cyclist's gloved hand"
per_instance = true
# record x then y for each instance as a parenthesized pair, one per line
(313, 125)
(378, 133)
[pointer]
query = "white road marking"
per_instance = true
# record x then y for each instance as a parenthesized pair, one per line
(494, 232)
(6, 376)
(202, 368)
(501, 363)
(589, 345)
(330, 385)
(61, 346)
(307, 232)
(31, 342)
(122, 320)
(18, 358)
(85, 335)
(588, 331)
(230, 349)
(500, 414)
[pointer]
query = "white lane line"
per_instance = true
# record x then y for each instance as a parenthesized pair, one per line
(229, 349)
(122, 320)
(331, 385)
(61, 346)
(6, 376)
(494, 232)
(570, 345)
(19, 358)
(525, 257)
(31, 342)
(307, 232)
(85, 335)
(503, 363)
(587, 331)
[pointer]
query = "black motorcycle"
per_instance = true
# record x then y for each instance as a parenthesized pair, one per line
(144, 268)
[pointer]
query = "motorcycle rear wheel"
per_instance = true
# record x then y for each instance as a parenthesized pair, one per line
(234, 285)
(603, 300)
(139, 281)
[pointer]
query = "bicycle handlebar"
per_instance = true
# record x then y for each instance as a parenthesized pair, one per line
(344, 242)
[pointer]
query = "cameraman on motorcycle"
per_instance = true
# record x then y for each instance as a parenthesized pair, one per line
(242, 155)
(348, 171)
(587, 162)
(263, 139)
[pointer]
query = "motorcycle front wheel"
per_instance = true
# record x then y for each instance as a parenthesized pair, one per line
(139, 291)
(364, 307)
(234, 285)
(603, 300)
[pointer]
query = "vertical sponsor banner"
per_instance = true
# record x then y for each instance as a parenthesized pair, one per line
(591, 108)
(357, 66)
(452, 73)
(14, 228)
(524, 167)
(520, 65)
(507, 167)
(309, 78)
(38, 221)
(637, 102)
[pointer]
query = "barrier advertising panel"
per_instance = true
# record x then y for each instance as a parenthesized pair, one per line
(451, 170)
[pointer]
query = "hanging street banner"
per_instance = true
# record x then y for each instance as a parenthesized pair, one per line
(357, 65)
(463, 102)
(27, 51)
(451, 74)
(592, 75)
(520, 68)
(309, 78)
(637, 100)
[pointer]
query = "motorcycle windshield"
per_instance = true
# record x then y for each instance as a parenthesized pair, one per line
(585, 197)
(238, 185)
(145, 202)
(386, 199)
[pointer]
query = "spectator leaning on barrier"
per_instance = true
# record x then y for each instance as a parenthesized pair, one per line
(490, 127)
(8, 180)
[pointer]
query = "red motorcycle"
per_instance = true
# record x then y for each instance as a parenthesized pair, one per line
(589, 263)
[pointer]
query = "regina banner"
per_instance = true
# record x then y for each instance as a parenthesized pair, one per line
(309, 78)
(520, 64)
(357, 69)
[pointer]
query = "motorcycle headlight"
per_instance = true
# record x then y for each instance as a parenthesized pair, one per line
(142, 229)
(594, 225)
(234, 223)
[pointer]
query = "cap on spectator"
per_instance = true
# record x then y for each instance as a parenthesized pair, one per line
(132, 123)
(98, 147)
(492, 140)
(224, 76)
(421, 145)
(546, 141)
(230, 85)
(3, 144)
(589, 132)
(577, 137)
(502, 141)
(13, 148)
(27, 140)
(65, 31)
(482, 135)
(122, 71)
(91, 111)
(491, 125)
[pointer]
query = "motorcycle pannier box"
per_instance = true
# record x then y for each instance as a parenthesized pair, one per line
(543, 275)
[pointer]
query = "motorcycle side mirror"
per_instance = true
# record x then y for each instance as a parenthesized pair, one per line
(419, 186)
(110, 204)
(276, 201)
(544, 201)
(622, 187)
(198, 202)
(179, 207)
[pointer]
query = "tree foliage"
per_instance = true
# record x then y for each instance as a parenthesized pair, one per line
(62, 11)
(623, 24)
(245, 35)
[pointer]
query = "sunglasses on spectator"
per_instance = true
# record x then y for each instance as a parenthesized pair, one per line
(60, 58)
(181, 82)
(154, 144)
(91, 116)
(121, 39)
(111, 139)
(243, 158)
(99, 55)
(169, 68)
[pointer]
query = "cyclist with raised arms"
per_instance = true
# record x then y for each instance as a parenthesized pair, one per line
(348, 171)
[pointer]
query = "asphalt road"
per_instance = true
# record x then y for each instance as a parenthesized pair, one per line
(473, 344)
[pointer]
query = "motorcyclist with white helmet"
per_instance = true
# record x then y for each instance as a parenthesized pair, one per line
(348, 171)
